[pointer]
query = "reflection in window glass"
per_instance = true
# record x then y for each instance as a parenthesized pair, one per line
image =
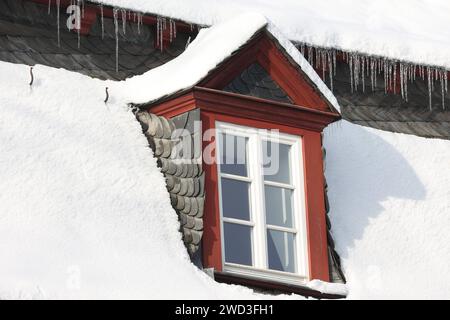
(238, 244)
(235, 199)
(279, 205)
(280, 247)
(233, 150)
(276, 162)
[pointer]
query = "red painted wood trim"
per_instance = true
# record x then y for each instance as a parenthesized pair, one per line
(293, 81)
(248, 107)
(211, 241)
(262, 109)
(315, 207)
(88, 20)
(175, 106)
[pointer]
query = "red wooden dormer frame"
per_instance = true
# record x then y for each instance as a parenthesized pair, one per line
(306, 117)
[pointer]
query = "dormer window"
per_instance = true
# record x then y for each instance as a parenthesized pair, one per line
(262, 204)
(260, 219)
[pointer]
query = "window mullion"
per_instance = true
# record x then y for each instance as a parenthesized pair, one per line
(260, 224)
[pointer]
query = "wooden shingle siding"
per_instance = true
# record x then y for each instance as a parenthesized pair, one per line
(255, 81)
(185, 179)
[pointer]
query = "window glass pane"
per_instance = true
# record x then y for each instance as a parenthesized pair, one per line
(279, 205)
(238, 244)
(235, 199)
(280, 246)
(277, 166)
(233, 150)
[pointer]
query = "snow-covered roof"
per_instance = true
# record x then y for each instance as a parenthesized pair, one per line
(85, 211)
(409, 30)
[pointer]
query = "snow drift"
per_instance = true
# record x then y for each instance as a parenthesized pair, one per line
(390, 212)
(84, 210)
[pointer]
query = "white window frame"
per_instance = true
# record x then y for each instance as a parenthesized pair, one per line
(260, 270)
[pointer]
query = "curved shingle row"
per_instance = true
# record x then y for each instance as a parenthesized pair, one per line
(184, 174)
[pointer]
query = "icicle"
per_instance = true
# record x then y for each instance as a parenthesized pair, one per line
(363, 74)
(310, 55)
(356, 68)
(78, 18)
(441, 79)
(402, 72)
(330, 68)
(103, 21)
(161, 25)
(116, 27)
(158, 26)
(174, 29)
(446, 81)
(139, 22)
(389, 76)
(405, 88)
(334, 62)
(317, 57)
(394, 77)
(188, 42)
(372, 74)
(350, 63)
(322, 62)
(429, 75)
(58, 6)
(302, 49)
(161, 37)
(49, 8)
(83, 8)
(124, 21)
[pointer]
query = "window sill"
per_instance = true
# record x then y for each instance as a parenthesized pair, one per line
(229, 278)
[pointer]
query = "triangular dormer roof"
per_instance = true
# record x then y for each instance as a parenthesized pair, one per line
(284, 75)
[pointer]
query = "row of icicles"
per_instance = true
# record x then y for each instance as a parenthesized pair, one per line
(162, 23)
(363, 67)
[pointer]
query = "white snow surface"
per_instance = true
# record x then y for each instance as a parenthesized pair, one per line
(328, 287)
(390, 212)
(410, 30)
(84, 212)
